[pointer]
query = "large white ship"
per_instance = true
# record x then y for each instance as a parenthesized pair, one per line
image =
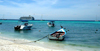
(26, 18)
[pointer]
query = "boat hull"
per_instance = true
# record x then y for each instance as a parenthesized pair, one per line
(55, 38)
(50, 24)
(23, 27)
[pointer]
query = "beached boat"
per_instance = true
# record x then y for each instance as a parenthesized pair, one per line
(26, 26)
(51, 24)
(58, 35)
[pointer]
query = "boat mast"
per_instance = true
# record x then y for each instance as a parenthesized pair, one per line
(3, 16)
(96, 18)
(41, 17)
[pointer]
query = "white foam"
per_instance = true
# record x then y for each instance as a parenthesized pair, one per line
(8, 44)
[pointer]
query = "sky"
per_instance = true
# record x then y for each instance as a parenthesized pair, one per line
(51, 9)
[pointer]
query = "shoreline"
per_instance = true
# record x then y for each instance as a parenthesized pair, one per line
(21, 45)
(6, 45)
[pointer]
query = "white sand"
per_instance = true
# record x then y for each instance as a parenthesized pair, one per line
(6, 45)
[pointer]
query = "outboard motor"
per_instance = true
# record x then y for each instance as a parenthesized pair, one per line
(17, 27)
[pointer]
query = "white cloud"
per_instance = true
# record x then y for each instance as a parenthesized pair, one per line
(45, 2)
(77, 11)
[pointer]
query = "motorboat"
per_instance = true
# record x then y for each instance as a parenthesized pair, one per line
(26, 26)
(51, 24)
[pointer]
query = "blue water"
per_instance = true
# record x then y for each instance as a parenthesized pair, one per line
(79, 33)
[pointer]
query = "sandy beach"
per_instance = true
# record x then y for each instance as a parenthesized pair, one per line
(6, 45)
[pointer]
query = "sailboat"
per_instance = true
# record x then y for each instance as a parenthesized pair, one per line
(41, 18)
(2, 19)
(96, 19)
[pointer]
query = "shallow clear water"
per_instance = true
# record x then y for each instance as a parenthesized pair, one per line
(81, 33)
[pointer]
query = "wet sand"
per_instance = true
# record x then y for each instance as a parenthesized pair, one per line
(16, 45)
(6, 45)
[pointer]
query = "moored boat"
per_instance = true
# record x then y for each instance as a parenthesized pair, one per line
(26, 26)
(51, 24)
(58, 35)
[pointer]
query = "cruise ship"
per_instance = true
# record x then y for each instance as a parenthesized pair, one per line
(26, 18)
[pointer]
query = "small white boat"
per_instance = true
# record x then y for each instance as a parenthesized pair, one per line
(58, 35)
(26, 26)
(51, 24)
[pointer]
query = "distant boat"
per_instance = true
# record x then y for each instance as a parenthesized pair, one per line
(3, 17)
(0, 22)
(58, 35)
(26, 18)
(96, 19)
(26, 26)
(51, 24)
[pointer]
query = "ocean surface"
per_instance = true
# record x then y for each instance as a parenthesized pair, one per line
(79, 33)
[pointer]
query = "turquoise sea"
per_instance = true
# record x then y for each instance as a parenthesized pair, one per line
(79, 33)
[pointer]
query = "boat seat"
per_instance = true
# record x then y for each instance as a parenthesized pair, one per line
(59, 32)
(62, 34)
(56, 33)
